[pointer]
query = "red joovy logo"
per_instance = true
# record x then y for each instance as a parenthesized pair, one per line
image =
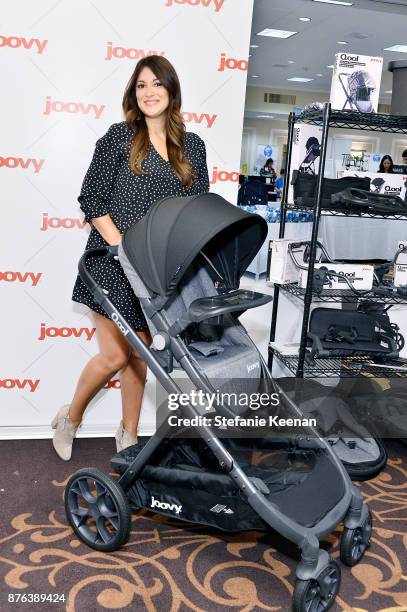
(222, 175)
(21, 277)
(204, 118)
(232, 63)
(13, 383)
(15, 162)
(65, 332)
(56, 222)
(217, 4)
(130, 53)
(19, 41)
(72, 107)
(113, 384)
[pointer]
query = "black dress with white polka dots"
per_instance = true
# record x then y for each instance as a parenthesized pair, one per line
(110, 187)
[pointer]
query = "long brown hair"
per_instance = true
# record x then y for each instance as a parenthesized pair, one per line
(175, 128)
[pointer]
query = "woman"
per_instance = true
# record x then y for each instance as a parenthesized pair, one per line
(138, 161)
(268, 169)
(386, 164)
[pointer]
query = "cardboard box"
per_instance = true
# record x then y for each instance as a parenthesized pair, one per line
(282, 268)
(384, 183)
(356, 82)
(360, 275)
(305, 152)
(400, 269)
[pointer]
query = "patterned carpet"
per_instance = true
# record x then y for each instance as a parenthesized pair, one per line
(169, 566)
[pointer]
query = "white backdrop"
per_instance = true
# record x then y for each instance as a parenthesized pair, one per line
(64, 66)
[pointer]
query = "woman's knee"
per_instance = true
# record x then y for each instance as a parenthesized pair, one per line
(115, 360)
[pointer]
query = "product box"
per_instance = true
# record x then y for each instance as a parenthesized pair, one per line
(360, 275)
(384, 183)
(356, 82)
(305, 151)
(400, 269)
(282, 268)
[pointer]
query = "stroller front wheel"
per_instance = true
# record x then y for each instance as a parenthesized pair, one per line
(317, 593)
(354, 542)
(97, 509)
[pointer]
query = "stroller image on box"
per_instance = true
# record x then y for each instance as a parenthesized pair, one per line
(313, 150)
(358, 89)
(184, 260)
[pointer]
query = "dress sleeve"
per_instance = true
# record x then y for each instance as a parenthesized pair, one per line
(98, 183)
(202, 177)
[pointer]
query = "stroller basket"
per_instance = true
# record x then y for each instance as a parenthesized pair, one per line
(208, 496)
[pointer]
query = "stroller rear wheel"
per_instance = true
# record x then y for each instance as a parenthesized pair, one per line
(317, 594)
(97, 509)
(354, 542)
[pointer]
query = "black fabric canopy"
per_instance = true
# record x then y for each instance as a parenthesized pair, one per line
(167, 239)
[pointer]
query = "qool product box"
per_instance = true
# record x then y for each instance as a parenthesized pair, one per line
(400, 269)
(356, 82)
(305, 152)
(282, 268)
(360, 275)
(384, 183)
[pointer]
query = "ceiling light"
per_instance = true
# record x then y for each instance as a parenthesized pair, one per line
(276, 33)
(335, 2)
(304, 18)
(254, 46)
(320, 75)
(398, 48)
(300, 79)
(389, 91)
(254, 76)
(290, 62)
(331, 66)
(264, 116)
(342, 42)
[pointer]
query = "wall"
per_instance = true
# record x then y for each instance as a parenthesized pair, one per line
(65, 66)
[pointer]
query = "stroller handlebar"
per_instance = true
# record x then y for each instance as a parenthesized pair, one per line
(85, 275)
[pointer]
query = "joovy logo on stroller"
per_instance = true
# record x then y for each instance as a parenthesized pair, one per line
(155, 503)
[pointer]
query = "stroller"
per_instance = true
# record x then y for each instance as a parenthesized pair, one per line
(357, 90)
(184, 260)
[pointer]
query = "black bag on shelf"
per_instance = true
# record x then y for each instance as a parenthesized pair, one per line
(305, 189)
(360, 200)
(337, 333)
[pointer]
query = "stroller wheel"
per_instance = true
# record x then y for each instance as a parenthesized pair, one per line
(354, 542)
(97, 509)
(317, 594)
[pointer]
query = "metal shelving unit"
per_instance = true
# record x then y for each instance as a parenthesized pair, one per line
(343, 296)
(350, 367)
(344, 213)
(327, 118)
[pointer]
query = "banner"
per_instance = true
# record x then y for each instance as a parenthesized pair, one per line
(65, 66)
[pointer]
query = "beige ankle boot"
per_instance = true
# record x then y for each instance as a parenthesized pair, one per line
(123, 438)
(65, 432)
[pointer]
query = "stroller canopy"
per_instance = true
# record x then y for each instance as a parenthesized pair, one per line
(169, 237)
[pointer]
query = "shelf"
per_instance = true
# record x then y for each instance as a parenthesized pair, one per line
(353, 120)
(344, 296)
(351, 367)
(341, 213)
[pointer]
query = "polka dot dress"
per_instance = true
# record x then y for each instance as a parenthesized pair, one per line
(110, 187)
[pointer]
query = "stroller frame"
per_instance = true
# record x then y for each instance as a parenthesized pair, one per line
(350, 509)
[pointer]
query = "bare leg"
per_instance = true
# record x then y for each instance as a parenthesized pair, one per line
(114, 352)
(133, 379)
